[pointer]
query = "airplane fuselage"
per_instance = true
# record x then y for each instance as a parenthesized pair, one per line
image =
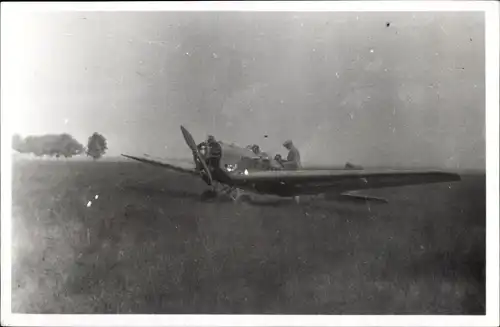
(237, 160)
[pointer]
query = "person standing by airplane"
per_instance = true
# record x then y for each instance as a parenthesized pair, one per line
(293, 158)
(214, 152)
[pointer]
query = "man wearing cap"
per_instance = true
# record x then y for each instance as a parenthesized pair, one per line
(293, 158)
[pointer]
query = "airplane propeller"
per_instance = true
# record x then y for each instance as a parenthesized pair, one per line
(192, 145)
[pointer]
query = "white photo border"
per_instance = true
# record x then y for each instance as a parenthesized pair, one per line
(491, 10)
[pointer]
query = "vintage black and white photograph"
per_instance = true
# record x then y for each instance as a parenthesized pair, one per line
(236, 162)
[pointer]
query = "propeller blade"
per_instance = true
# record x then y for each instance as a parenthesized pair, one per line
(189, 139)
(192, 145)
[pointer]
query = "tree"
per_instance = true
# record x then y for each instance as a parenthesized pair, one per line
(96, 146)
(48, 145)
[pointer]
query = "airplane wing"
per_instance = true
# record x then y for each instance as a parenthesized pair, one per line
(308, 182)
(159, 163)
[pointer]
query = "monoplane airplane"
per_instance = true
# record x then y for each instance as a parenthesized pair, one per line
(240, 170)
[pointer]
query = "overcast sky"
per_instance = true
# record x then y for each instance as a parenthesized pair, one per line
(377, 89)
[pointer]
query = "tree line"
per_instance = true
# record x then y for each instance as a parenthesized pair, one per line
(60, 145)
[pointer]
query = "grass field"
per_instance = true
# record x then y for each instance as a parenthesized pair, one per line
(147, 244)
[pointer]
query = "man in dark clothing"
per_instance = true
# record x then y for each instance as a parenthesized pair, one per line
(214, 152)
